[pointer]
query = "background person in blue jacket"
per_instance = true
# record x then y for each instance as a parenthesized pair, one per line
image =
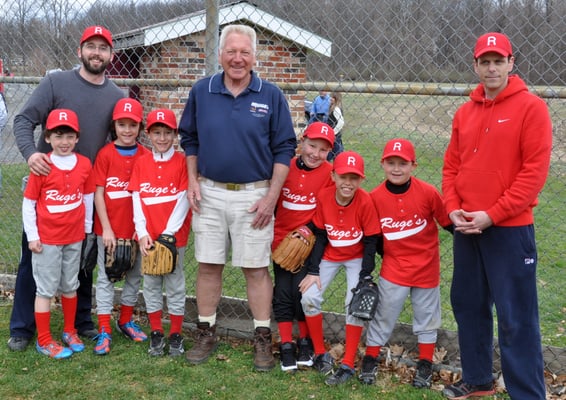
(320, 107)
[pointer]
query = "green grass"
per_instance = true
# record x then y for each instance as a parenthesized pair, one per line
(129, 373)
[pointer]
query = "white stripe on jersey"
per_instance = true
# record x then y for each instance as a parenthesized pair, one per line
(298, 207)
(148, 201)
(64, 207)
(121, 194)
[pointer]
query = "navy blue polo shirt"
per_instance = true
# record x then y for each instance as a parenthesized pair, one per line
(237, 139)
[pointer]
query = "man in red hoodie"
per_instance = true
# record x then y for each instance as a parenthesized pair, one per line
(495, 165)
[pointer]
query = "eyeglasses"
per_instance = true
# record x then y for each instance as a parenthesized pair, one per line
(103, 48)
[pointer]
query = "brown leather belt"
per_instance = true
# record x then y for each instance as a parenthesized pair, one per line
(235, 186)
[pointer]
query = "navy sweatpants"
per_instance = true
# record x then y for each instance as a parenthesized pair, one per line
(499, 267)
(22, 321)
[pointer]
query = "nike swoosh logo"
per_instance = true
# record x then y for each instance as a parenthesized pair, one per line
(503, 120)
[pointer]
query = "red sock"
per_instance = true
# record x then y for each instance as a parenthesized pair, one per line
(303, 329)
(314, 323)
(353, 335)
(426, 351)
(155, 321)
(43, 324)
(285, 331)
(104, 322)
(373, 351)
(69, 305)
(126, 313)
(176, 323)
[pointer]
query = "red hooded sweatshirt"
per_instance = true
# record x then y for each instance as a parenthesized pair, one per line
(499, 154)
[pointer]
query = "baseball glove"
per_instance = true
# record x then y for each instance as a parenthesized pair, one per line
(364, 300)
(294, 249)
(121, 259)
(162, 257)
(89, 253)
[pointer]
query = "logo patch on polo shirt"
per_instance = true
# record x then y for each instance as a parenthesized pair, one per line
(259, 109)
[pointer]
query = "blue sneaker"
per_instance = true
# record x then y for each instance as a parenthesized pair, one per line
(132, 331)
(103, 341)
(72, 340)
(54, 350)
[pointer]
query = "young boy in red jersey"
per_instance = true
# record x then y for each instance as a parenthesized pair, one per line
(309, 172)
(159, 186)
(346, 227)
(408, 210)
(114, 219)
(56, 215)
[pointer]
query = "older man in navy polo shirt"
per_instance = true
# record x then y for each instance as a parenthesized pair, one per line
(237, 133)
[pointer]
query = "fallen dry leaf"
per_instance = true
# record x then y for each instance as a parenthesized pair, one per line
(439, 354)
(337, 351)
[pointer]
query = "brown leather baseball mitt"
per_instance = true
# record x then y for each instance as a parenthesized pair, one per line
(294, 249)
(162, 257)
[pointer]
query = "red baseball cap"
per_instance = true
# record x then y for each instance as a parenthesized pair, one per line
(399, 148)
(162, 116)
(128, 108)
(493, 42)
(62, 117)
(96, 30)
(320, 130)
(349, 162)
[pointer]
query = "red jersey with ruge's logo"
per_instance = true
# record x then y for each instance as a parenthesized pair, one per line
(158, 184)
(59, 202)
(298, 198)
(411, 255)
(345, 225)
(112, 171)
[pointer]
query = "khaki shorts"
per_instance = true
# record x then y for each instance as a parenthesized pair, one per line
(224, 222)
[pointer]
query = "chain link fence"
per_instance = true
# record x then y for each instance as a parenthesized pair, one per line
(403, 67)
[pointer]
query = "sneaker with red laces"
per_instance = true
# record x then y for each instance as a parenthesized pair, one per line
(54, 350)
(72, 340)
(132, 331)
(462, 390)
(103, 341)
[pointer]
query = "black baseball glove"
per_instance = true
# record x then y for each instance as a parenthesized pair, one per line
(121, 260)
(364, 300)
(89, 253)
